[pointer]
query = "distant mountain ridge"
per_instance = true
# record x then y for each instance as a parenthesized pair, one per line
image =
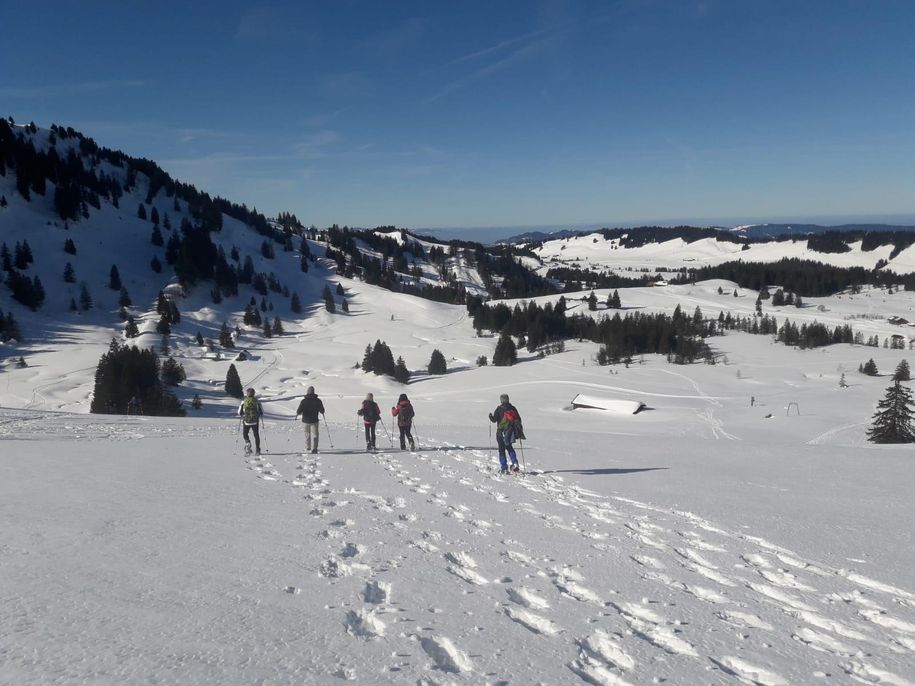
(776, 230)
(753, 231)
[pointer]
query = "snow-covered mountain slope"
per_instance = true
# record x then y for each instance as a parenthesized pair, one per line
(738, 530)
(594, 251)
(700, 541)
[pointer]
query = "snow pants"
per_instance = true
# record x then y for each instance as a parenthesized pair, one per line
(503, 447)
(370, 434)
(406, 435)
(257, 436)
(311, 436)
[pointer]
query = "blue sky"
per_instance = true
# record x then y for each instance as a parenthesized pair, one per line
(490, 113)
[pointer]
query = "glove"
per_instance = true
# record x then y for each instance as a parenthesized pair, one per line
(491, 418)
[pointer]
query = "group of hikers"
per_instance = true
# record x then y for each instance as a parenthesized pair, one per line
(506, 418)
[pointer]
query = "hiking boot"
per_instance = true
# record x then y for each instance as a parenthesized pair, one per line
(314, 451)
(515, 467)
(257, 452)
(504, 471)
(412, 445)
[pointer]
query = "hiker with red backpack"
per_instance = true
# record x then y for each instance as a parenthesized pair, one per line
(370, 413)
(403, 410)
(508, 429)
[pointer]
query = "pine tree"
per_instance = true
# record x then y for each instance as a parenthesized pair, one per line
(506, 354)
(592, 301)
(156, 237)
(401, 373)
(869, 368)
(233, 383)
(124, 298)
(196, 403)
(172, 372)
(114, 278)
(69, 274)
(340, 290)
(85, 300)
(295, 305)
(902, 372)
(893, 418)
(613, 301)
(73, 307)
(155, 264)
(141, 211)
(367, 365)
(268, 332)
(127, 372)
(69, 247)
(162, 326)
(344, 305)
(278, 327)
(328, 299)
(154, 216)
(225, 337)
(437, 364)
(199, 339)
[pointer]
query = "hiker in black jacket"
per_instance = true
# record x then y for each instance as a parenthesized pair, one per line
(310, 407)
(370, 413)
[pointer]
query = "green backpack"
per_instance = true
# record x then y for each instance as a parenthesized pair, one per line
(249, 410)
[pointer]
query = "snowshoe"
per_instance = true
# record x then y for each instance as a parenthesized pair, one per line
(247, 448)
(515, 468)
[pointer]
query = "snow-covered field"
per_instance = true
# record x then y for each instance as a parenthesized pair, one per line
(701, 541)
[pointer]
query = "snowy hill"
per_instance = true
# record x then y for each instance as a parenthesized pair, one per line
(739, 529)
(597, 252)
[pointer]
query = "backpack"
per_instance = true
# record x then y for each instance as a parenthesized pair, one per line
(370, 412)
(509, 418)
(249, 410)
(405, 414)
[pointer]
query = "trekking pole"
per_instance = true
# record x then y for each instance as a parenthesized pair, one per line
(523, 463)
(416, 428)
(329, 439)
(390, 438)
(490, 437)
(237, 433)
(264, 427)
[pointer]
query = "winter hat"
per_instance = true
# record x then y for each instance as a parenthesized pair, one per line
(369, 396)
(251, 392)
(503, 398)
(403, 396)
(310, 390)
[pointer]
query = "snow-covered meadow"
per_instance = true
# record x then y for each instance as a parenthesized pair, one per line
(702, 540)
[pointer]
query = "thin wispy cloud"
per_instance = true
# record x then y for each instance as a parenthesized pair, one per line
(501, 45)
(65, 89)
(526, 51)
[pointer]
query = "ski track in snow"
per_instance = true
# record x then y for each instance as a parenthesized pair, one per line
(841, 621)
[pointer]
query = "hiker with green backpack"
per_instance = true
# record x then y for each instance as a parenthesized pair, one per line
(250, 411)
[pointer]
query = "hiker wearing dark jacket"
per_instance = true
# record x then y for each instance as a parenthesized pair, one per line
(370, 413)
(508, 428)
(403, 410)
(310, 407)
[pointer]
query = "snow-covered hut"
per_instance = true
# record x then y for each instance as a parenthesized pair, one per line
(613, 405)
